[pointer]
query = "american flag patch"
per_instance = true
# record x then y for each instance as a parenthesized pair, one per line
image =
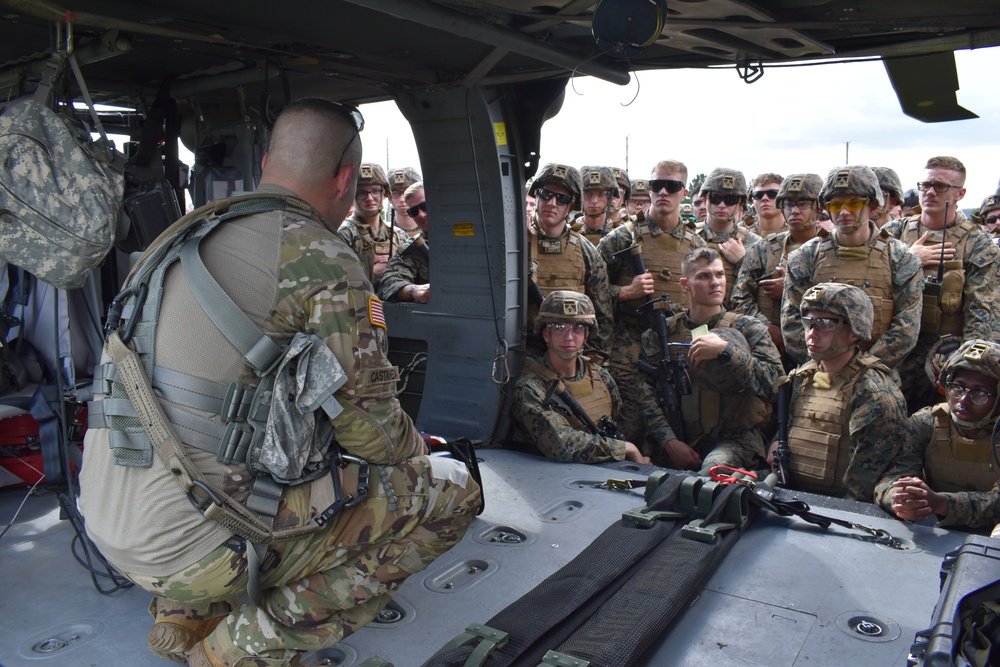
(375, 315)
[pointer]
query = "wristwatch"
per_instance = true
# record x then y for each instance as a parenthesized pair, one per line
(726, 354)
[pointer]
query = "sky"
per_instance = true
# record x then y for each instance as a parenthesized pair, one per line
(793, 120)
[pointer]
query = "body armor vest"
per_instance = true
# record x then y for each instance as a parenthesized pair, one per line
(778, 248)
(558, 265)
(702, 408)
(819, 437)
(740, 234)
(867, 267)
(662, 255)
(942, 311)
(954, 463)
(589, 391)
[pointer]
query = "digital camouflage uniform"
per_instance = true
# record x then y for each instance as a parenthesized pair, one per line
(408, 267)
(726, 428)
(671, 247)
(332, 581)
(972, 316)
(599, 178)
(727, 182)
(357, 234)
(900, 336)
(963, 468)
(847, 427)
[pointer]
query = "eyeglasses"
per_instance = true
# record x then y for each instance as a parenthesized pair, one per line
(801, 204)
(566, 327)
(717, 198)
(991, 220)
(412, 211)
(978, 396)
(937, 186)
(362, 195)
(547, 195)
(351, 112)
(760, 194)
(852, 205)
(821, 323)
(670, 185)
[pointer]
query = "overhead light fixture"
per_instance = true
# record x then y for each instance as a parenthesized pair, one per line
(624, 28)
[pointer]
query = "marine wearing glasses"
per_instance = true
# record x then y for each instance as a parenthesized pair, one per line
(364, 230)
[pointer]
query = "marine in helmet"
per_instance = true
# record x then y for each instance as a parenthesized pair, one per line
(959, 262)
(988, 216)
(769, 219)
(529, 203)
(725, 192)
(399, 181)
(687, 213)
(565, 320)
(619, 205)
(662, 239)
(364, 230)
(698, 203)
(949, 469)
(892, 196)
(847, 418)
(600, 189)
(734, 370)
(407, 276)
(560, 258)
(639, 198)
(760, 283)
(857, 253)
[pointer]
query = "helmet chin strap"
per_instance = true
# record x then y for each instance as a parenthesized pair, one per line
(567, 356)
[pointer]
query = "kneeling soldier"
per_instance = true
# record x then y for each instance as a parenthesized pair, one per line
(564, 403)
(847, 418)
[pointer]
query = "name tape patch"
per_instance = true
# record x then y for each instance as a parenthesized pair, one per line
(382, 375)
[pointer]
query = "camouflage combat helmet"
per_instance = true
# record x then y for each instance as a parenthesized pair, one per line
(799, 186)
(373, 174)
(599, 178)
(400, 179)
(566, 306)
(717, 375)
(847, 301)
(981, 356)
(725, 180)
(889, 182)
(624, 184)
(640, 187)
(564, 175)
(857, 180)
(991, 203)
(687, 211)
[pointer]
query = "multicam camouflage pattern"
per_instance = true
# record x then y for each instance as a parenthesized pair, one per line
(857, 180)
(889, 181)
(876, 423)
(894, 343)
(565, 306)
(405, 268)
(565, 175)
(329, 584)
(725, 180)
(61, 198)
(548, 429)
(799, 186)
(599, 178)
(847, 301)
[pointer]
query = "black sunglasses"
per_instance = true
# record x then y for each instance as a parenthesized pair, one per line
(760, 194)
(718, 198)
(412, 211)
(671, 186)
(991, 219)
(561, 199)
(351, 112)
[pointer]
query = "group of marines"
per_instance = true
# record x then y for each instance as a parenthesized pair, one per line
(879, 322)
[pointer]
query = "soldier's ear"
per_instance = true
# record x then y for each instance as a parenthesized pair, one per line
(343, 180)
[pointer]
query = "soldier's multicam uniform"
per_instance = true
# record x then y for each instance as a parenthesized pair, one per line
(550, 429)
(904, 288)
(726, 430)
(303, 279)
(967, 308)
(408, 267)
(662, 255)
(357, 234)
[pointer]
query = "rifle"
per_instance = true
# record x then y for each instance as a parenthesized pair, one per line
(783, 455)
(671, 380)
(418, 249)
(560, 397)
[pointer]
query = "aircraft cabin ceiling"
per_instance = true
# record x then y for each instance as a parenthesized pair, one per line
(368, 50)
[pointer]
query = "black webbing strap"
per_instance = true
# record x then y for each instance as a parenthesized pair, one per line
(585, 582)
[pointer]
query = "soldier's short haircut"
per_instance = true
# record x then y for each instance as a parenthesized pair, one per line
(671, 166)
(285, 144)
(764, 179)
(697, 256)
(947, 162)
(413, 189)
